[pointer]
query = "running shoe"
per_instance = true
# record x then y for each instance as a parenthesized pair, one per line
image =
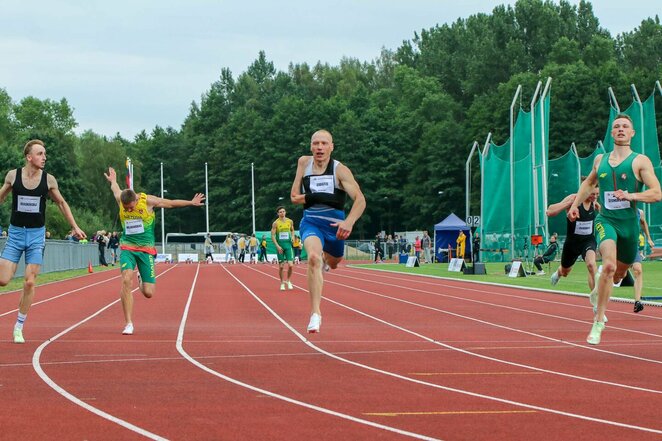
(282, 287)
(555, 278)
(540, 273)
(638, 306)
(595, 334)
(289, 285)
(128, 329)
(18, 336)
(315, 323)
(595, 314)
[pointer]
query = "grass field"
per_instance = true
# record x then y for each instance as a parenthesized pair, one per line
(17, 282)
(577, 280)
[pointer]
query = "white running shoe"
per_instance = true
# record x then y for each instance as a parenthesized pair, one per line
(315, 323)
(128, 329)
(555, 278)
(595, 313)
(596, 333)
(282, 287)
(18, 336)
(540, 273)
(289, 285)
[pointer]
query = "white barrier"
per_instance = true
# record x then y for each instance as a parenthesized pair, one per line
(161, 258)
(187, 257)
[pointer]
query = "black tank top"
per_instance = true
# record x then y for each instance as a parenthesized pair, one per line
(29, 206)
(337, 199)
(582, 227)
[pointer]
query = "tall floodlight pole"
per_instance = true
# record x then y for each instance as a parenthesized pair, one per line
(206, 198)
(512, 170)
(253, 194)
(162, 216)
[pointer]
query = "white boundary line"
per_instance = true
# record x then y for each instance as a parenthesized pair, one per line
(36, 364)
(180, 349)
(434, 385)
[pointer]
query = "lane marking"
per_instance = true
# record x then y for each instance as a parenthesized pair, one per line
(180, 348)
(438, 386)
(36, 364)
(450, 412)
(430, 374)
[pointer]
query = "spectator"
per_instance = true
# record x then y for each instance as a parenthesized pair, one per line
(426, 244)
(229, 242)
(547, 256)
(113, 244)
(475, 248)
(390, 246)
(379, 251)
(209, 248)
(417, 248)
(102, 241)
(252, 247)
(461, 243)
(241, 243)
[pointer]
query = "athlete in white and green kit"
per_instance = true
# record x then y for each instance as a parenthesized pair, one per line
(620, 175)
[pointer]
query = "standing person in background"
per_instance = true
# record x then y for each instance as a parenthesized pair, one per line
(138, 241)
(241, 244)
(637, 269)
(426, 243)
(296, 244)
(229, 242)
(209, 249)
(321, 185)
(461, 244)
(30, 185)
(390, 246)
(282, 233)
(252, 247)
(475, 247)
(263, 249)
(113, 244)
(620, 175)
(379, 251)
(418, 247)
(101, 241)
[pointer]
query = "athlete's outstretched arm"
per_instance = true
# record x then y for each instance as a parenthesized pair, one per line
(111, 176)
(156, 202)
(555, 209)
(585, 189)
(56, 196)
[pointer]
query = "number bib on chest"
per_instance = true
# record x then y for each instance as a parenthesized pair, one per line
(321, 184)
(284, 236)
(584, 228)
(613, 203)
(134, 226)
(28, 204)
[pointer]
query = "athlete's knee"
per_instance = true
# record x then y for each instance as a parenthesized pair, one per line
(314, 260)
(29, 283)
(565, 271)
(148, 290)
(609, 268)
(636, 270)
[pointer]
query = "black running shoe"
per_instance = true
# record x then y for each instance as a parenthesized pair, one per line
(638, 306)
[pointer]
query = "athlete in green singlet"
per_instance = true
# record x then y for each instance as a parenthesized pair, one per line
(620, 174)
(282, 233)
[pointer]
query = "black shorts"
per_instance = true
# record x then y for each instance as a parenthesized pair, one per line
(573, 248)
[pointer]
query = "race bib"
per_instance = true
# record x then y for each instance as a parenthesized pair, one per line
(134, 226)
(321, 184)
(283, 236)
(613, 203)
(28, 204)
(584, 228)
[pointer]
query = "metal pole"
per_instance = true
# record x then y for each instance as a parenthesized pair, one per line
(253, 193)
(543, 146)
(162, 216)
(612, 100)
(486, 149)
(206, 199)
(467, 172)
(536, 202)
(512, 172)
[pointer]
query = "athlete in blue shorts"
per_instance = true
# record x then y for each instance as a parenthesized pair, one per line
(321, 185)
(29, 185)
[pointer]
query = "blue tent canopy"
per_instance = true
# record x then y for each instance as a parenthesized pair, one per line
(446, 232)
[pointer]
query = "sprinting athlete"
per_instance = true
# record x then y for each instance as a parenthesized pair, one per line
(138, 242)
(321, 185)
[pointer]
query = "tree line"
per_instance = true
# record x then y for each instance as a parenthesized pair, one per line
(404, 122)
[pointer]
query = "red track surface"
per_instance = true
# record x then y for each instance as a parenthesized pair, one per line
(221, 353)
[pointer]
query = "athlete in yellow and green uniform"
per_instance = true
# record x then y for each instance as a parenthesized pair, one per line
(138, 242)
(282, 232)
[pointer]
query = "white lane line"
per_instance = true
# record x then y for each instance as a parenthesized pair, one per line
(438, 386)
(180, 348)
(62, 295)
(36, 363)
(556, 340)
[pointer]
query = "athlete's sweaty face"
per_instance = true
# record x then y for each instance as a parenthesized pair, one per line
(37, 156)
(321, 145)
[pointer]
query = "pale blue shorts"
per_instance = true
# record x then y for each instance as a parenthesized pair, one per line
(30, 241)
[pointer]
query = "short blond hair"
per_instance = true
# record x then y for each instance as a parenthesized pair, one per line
(28, 146)
(322, 131)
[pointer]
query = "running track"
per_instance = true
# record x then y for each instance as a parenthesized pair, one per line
(221, 354)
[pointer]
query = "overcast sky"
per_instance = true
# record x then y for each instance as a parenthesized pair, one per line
(129, 65)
